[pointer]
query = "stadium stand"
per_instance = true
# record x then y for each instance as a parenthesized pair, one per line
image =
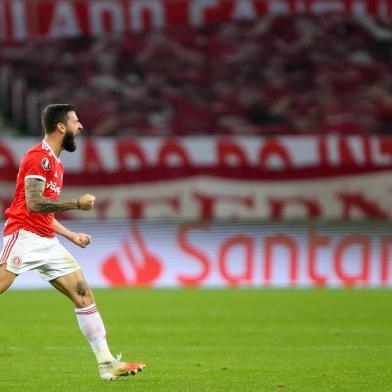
(295, 75)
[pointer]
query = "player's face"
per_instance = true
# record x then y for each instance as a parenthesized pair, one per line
(72, 128)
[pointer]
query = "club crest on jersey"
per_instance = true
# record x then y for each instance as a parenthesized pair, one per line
(45, 164)
(16, 261)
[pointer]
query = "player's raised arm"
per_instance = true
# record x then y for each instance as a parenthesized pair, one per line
(36, 202)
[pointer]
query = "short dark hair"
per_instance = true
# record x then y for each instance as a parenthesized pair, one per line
(54, 114)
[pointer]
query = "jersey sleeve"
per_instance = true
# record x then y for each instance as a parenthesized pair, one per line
(36, 166)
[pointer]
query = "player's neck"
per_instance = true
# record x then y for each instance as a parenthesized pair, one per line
(55, 145)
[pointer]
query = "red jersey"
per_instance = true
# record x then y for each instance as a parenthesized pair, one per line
(39, 162)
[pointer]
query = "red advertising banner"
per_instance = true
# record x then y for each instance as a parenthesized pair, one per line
(216, 254)
(27, 19)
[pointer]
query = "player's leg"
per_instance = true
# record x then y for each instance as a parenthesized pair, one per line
(6, 278)
(75, 287)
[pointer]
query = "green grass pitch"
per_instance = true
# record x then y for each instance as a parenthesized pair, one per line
(203, 340)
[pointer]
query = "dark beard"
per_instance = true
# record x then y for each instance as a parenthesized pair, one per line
(69, 143)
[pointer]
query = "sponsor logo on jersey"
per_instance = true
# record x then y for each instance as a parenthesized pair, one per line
(16, 261)
(45, 164)
(53, 186)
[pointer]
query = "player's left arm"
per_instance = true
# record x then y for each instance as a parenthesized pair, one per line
(79, 239)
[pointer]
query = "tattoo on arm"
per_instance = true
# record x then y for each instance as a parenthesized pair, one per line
(36, 202)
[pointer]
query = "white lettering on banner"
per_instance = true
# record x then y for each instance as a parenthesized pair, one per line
(154, 9)
(64, 22)
(277, 154)
(280, 153)
(380, 151)
(98, 11)
(18, 13)
(360, 8)
(198, 9)
(69, 18)
(244, 9)
(279, 7)
(325, 6)
(158, 254)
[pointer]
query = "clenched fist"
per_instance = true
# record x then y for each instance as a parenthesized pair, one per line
(81, 239)
(86, 202)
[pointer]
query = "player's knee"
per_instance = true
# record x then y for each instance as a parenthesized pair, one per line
(82, 288)
(84, 293)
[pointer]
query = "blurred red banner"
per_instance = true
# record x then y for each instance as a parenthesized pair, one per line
(247, 178)
(27, 19)
(145, 159)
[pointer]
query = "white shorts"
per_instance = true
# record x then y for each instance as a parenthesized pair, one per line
(24, 251)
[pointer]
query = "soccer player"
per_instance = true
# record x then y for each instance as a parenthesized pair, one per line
(29, 233)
